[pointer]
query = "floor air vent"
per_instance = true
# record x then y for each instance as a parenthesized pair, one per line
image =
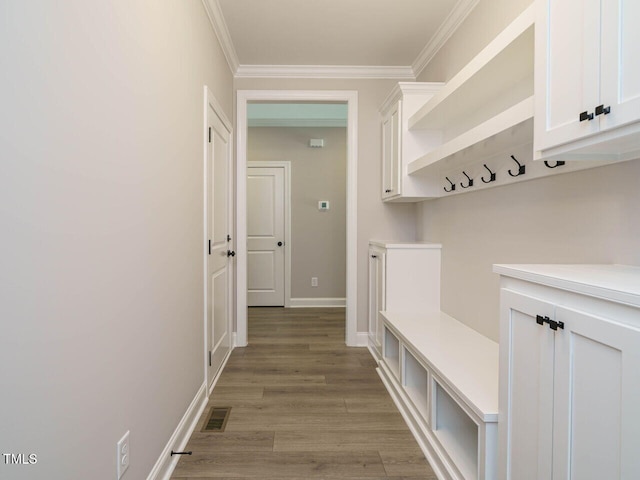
(217, 419)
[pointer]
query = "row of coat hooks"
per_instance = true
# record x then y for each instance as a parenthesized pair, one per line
(521, 170)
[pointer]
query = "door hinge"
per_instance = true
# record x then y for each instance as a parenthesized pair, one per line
(553, 325)
(209, 134)
(209, 357)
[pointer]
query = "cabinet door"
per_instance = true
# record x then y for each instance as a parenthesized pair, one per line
(376, 296)
(391, 152)
(526, 388)
(596, 399)
(567, 70)
(620, 62)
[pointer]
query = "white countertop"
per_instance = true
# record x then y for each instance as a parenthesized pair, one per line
(620, 283)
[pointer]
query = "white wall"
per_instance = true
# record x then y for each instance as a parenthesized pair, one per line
(375, 219)
(318, 239)
(583, 217)
(101, 207)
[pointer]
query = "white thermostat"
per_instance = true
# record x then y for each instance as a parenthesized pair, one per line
(323, 205)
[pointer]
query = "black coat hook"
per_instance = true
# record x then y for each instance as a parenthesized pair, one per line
(453, 186)
(492, 178)
(521, 168)
(470, 183)
(558, 164)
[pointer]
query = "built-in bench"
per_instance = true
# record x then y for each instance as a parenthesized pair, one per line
(443, 377)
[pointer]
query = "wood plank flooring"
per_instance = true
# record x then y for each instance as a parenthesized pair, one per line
(303, 406)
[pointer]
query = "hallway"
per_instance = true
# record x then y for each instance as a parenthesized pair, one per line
(303, 406)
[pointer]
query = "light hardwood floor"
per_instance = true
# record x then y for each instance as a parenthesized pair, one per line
(304, 406)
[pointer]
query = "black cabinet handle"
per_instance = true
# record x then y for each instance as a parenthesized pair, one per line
(553, 325)
(586, 116)
(602, 110)
(231, 253)
(280, 244)
(374, 256)
(387, 191)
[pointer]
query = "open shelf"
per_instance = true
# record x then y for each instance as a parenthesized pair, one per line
(512, 127)
(484, 113)
(505, 62)
(416, 384)
(457, 432)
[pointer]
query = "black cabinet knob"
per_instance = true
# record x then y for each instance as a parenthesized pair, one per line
(280, 244)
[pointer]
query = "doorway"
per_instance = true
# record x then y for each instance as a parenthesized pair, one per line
(244, 97)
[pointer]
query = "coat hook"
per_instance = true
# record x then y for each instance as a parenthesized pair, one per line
(470, 183)
(521, 168)
(558, 164)
(453, 186)
(492, 178)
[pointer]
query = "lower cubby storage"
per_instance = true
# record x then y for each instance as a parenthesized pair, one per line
(415, 380)
(391, 352)
(456, 431)
(443, 376)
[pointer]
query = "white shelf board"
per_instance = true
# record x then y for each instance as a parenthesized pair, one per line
(499, 129)
(465, 359)
(505, 61)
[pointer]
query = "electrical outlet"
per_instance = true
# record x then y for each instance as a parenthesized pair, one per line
(314, 281)
(123, 455)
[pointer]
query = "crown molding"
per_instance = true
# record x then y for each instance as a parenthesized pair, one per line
(325, 71)
(455, 18)
(216, 18)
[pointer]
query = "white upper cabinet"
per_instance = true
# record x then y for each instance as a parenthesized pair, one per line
(399, 145)
(587, 80)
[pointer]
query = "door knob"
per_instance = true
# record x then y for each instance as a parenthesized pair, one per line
(280, 244)
(231, 253)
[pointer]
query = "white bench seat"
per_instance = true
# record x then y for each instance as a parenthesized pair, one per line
(444, 377)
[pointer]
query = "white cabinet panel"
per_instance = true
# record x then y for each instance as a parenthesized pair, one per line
(391, 288)
(569, 71)
(527, 364)
(596, 393)
(620, 62)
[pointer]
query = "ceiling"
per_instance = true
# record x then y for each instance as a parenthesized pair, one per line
(383, 38)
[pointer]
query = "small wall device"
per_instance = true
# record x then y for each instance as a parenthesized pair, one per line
(323, 205)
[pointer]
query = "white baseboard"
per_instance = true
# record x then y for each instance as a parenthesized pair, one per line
(362, 339)
(165, 465)
(318, 302)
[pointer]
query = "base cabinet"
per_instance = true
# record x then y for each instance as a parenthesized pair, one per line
(403, 277)
(569, 373)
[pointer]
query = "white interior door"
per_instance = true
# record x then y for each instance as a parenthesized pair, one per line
(218, 225)
(266, 236)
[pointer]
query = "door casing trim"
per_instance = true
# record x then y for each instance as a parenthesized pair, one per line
(350, 97)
